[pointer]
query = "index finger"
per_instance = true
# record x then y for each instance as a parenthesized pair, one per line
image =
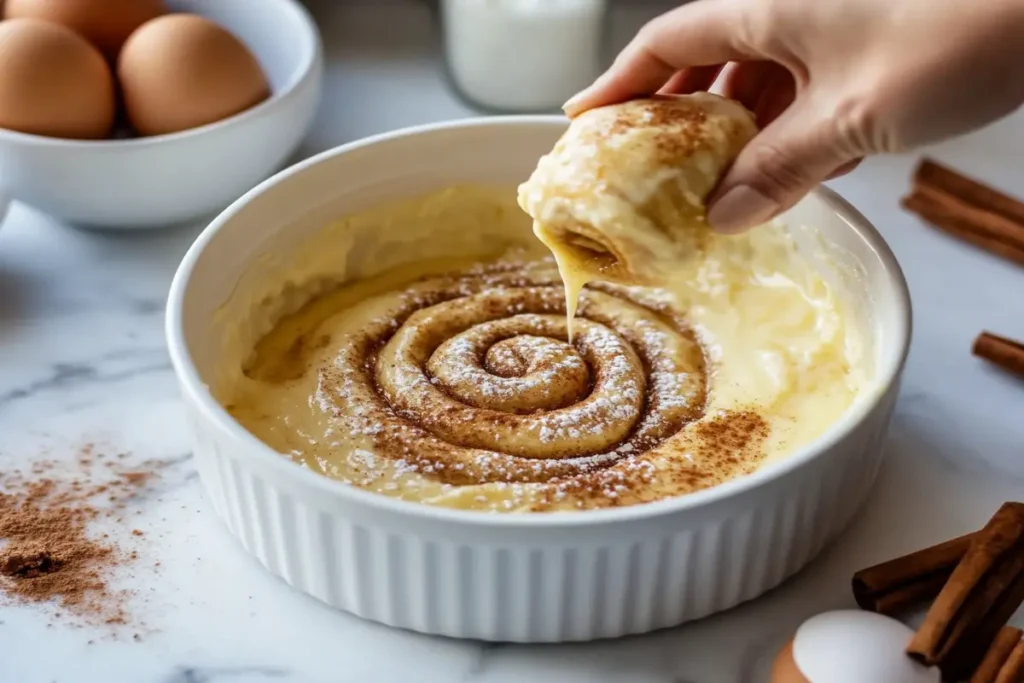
(701, 33)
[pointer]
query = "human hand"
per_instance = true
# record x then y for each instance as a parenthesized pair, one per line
(830, 82)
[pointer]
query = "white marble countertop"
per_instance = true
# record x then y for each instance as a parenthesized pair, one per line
(82, 359)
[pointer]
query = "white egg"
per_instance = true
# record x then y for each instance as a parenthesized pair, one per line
(852, 646)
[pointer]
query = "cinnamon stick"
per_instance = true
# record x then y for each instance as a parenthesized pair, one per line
(968, 210)
(1006, 353)
(982, 593)
(1013, 669)
(932, 174)
(960, 227)
(982, 219)
(891, 587)
(998, 655)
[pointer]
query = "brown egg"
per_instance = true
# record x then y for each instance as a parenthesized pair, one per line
(53, 82)
(181, 71)
(105, 23)
(785, 670)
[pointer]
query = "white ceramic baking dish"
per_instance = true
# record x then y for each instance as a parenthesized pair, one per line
(515, 577)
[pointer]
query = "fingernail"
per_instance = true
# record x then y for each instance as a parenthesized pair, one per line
(575, 104)
(740, 208)
(572, 104)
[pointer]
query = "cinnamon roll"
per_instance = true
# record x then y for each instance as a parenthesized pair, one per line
(621, 196)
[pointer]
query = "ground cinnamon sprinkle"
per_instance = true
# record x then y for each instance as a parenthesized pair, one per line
(48, 555)
(46, 550)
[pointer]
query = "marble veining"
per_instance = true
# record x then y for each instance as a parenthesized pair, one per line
(239, 674)
(112, 367)
(82, 360)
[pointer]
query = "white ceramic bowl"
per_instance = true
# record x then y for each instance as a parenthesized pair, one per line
(526, 578)
(166, 179)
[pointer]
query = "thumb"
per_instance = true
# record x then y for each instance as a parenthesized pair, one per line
(785, 161)
(697, 34)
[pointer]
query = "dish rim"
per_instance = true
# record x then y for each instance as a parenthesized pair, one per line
(302, 73)
(893, 360)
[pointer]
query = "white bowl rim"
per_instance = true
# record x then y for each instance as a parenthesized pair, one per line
(198, 392)
(313, 58)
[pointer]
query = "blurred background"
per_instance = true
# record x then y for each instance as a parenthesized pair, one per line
(152, 107)
(401, 49)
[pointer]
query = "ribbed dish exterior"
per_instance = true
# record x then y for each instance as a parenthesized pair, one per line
(539, 584)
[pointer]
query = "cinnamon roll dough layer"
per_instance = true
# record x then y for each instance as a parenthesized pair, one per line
(451, 381)
(621, 197)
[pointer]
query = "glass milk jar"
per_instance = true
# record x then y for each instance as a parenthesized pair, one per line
(523, 55)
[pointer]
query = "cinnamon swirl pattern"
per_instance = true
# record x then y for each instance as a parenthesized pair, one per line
(463, 390)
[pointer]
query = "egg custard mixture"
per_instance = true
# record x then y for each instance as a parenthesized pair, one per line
(420, 350)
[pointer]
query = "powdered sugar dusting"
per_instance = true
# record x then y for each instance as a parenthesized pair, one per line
(467, 391)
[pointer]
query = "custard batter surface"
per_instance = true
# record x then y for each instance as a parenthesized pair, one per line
(450, 381)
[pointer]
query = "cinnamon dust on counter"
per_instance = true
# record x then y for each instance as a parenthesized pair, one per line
(48, 552)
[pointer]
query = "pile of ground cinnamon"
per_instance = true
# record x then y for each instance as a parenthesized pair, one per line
(47, 552)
